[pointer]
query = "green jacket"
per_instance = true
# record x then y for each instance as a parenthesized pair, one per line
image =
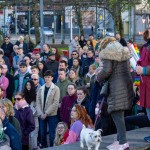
(63, 88)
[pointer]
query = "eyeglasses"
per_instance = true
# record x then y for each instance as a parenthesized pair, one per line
(6, 39)
(60, 128)
(18, 99)
(74, 54)
(34, 79)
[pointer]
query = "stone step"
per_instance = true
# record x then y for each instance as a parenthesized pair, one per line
(135, 139)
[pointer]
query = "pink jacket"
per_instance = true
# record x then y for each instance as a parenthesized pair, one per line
(4, 82)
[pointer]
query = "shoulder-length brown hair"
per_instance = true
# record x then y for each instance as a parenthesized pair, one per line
(146, 34)
(83, 116)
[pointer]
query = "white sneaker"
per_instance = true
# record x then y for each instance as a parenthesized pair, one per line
(113, 145)
(123, 146)
(117, 146)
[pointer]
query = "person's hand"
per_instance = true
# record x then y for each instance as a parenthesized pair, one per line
(43, 116)
(139, 70)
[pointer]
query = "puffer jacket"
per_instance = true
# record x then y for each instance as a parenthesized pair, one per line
(116, 69)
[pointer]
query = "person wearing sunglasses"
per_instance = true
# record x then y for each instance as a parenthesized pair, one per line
(35, 79)
(7, 46)
(74, 55)
(21, 78)
(25, 117)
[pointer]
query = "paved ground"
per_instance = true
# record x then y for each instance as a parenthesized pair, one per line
(135, 139)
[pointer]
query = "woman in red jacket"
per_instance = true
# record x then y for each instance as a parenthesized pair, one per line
(143, 69)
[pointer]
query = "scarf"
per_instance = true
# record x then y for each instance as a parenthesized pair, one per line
(80, 101)
(21, 104)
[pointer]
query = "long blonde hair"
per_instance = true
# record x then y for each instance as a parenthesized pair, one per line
(58, 138)
(9, 105)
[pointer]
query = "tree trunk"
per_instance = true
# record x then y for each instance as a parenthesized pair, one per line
(36, 21)
(118, 25)
(79, 20)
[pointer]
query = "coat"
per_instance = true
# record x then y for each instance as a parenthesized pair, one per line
(16, 81)
(63, 88)
(66, 107)
(52, 65)
(10, 88)
(15, 142)
(144, 61)
(52, 101)
(27, 124)
(8, 49)
(116, 69)
(4, 82)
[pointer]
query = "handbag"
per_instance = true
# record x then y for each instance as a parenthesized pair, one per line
(104, 91)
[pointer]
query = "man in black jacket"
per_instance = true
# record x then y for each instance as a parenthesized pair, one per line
(121, 40)
(7, 46)
(52, 64)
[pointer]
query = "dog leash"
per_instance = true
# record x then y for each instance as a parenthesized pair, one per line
(100, 107)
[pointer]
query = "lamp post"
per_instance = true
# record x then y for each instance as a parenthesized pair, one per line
(29, 17)
(96, 21)
(71, 24)
(4, 21)
(16, 19)
(41, 24)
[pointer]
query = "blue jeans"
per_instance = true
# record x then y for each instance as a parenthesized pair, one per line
(148, 113)
(137, 120)
(52, 123)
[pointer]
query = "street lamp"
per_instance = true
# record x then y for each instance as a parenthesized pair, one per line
(41, 24)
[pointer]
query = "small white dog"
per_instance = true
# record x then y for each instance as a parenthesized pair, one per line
(90, 137)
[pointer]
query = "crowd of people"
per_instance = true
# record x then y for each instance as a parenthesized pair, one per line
(45, 94)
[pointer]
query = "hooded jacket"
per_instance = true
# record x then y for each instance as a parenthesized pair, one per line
(116, 69)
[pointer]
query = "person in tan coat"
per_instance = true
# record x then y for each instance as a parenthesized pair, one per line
(47, 102)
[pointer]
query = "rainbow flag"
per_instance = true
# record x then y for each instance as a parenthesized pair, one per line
(138, 102)
(136, 49)
(137, 81)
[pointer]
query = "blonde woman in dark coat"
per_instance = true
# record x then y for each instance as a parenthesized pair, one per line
(116, 70)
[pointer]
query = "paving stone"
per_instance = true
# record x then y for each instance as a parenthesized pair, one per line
(135, 139)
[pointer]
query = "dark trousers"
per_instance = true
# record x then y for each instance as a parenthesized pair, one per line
(118, 118)
(51, 121)
(25, 147)
(136, 120)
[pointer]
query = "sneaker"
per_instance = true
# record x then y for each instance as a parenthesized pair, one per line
(123, 147)
(113, 145)
(147, 139)
(117, 146)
